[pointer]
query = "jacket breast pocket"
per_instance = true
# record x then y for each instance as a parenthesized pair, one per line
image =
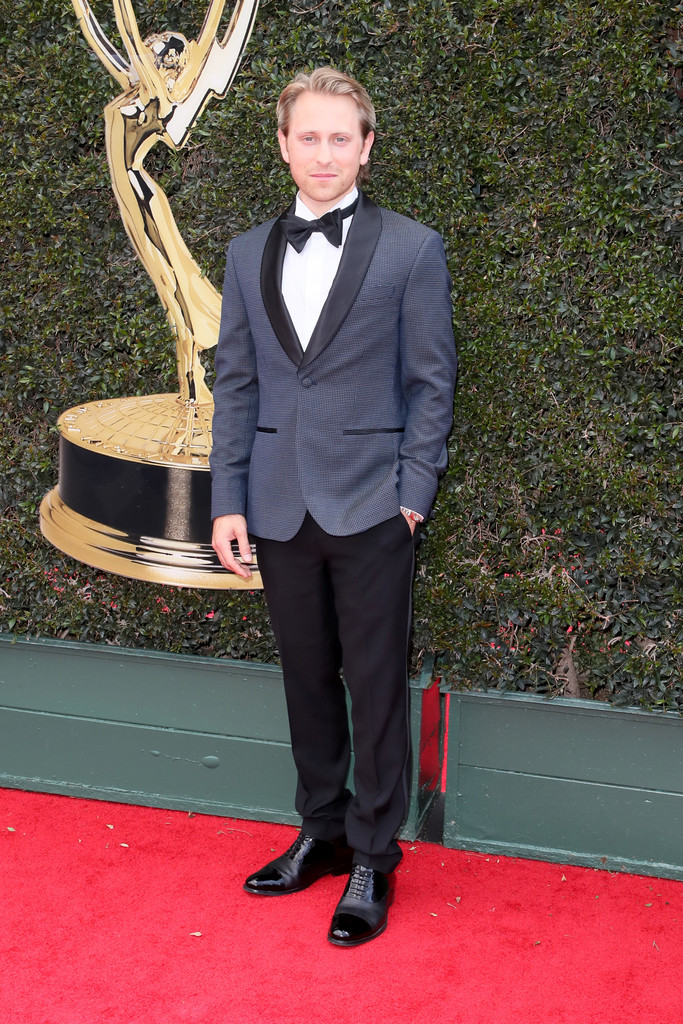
(379, 292)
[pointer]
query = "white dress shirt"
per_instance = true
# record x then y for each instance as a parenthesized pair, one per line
(307, 276)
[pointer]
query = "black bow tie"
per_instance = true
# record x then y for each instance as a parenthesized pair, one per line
(297, 231)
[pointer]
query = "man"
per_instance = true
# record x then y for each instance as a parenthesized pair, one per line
(335, 372)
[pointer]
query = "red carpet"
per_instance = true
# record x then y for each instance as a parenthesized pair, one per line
(132, 915)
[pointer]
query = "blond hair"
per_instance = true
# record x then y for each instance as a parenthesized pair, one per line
(330, 82)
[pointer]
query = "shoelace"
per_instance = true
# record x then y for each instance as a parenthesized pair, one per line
(360, 882)
(293, 850)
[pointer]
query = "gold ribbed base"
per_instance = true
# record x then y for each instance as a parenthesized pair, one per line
(176, 563)
(161, 430)
(134, 493)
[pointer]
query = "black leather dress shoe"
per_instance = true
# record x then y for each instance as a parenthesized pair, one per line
(306, 861)
(362, 911)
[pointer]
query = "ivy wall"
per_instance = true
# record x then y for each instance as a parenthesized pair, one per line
(544, 140)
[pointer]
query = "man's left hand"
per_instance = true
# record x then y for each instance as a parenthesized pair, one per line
(411, 522)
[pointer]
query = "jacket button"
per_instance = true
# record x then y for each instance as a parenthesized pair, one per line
(306, 382)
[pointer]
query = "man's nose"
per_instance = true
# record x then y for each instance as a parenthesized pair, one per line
(324, 153)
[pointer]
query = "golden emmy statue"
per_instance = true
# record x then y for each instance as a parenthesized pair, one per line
(134, 481)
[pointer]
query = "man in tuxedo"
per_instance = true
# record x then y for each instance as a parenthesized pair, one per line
(335, 372)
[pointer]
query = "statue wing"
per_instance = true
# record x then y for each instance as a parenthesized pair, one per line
(115, 64)
(216, 64)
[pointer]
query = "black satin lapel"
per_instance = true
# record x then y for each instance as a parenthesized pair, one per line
(271, 293)
(359, 249)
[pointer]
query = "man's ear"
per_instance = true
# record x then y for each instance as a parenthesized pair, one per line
(282, 139)
(367, 146)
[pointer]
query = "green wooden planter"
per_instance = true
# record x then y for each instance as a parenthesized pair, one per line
(162, 730)
(563, 780)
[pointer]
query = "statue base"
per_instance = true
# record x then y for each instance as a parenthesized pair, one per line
(134, 492)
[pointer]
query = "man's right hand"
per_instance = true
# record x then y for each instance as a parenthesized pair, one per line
(225, 530)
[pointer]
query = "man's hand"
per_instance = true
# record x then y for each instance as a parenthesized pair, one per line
(225, 530)
(411, 522)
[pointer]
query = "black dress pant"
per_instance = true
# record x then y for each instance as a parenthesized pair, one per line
(345, 603)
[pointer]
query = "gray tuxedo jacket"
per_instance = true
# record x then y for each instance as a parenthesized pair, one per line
(356, 425)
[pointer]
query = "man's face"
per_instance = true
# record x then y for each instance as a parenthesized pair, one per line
(324, 148)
